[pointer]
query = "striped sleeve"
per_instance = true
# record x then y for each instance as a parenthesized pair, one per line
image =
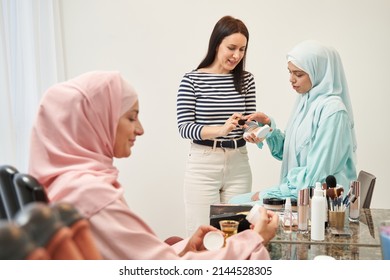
(209, 100)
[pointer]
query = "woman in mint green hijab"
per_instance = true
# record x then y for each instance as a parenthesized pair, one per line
(319, 139)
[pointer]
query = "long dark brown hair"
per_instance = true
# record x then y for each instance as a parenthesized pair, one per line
(227, 26)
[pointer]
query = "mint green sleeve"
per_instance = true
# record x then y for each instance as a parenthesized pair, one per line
(275, 141)
(329, 152)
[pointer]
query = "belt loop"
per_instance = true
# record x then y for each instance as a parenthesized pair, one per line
(235, 143)
(214, 145)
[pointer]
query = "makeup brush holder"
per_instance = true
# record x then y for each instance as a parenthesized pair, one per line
(336, 219)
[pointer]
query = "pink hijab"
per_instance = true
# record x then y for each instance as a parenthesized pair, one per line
(72, 140)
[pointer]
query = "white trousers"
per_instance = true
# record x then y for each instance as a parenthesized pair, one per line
(213, 175)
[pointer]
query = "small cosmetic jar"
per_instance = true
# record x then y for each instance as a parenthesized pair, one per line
(213, 240)
(273, 203)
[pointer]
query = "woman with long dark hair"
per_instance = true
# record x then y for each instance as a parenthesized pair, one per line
(211, 101)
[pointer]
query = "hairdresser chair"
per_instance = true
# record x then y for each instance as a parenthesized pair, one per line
(3, 214)
(81, 232)
(15, 244)
(9, 200)
(45, 228)
(367, 184)
(28, 190)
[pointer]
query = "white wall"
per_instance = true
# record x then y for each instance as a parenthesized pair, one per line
(153, 43)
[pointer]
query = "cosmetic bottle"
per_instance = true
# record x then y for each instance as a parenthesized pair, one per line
(354, 206)
(311, 194)
(259, 131)
(287, 216)
(318, 202)
(303, 210)
(254, 215)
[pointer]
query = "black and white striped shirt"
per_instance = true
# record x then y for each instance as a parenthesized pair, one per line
(206, 99)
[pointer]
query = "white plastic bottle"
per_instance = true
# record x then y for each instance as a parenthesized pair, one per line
(318, 203)
(254, 215)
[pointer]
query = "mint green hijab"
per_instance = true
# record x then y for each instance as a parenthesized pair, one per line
(329, 85)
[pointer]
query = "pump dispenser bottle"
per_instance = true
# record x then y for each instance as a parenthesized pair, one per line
(287, 216)
(318, 204)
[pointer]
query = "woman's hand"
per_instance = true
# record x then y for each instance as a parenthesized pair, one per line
(195, 243)
(267, 225)
(252, 138)
(260, 117)
(256, 196)
(211, 131)
(230, 124)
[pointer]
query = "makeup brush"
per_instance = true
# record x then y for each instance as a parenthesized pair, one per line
(330, 182)
(334, 192)
(347, 197)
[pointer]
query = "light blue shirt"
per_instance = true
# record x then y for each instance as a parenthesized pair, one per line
(320, 137)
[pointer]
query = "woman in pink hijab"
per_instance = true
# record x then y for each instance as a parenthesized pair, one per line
(82, 124)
